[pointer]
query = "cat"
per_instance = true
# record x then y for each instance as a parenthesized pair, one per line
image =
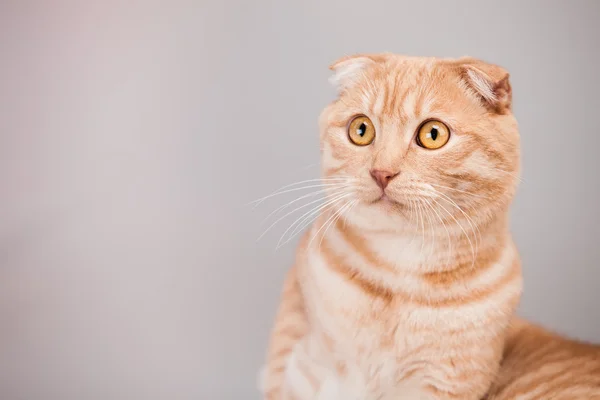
(406, 285)
(542, 365)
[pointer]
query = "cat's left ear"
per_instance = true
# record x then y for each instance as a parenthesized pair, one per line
(490, 82)
(348, 70)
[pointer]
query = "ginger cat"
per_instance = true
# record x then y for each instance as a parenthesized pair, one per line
(406, 284)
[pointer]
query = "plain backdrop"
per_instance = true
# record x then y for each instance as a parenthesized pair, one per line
(133, 135)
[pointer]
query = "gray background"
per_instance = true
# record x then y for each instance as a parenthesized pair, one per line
(132, 135)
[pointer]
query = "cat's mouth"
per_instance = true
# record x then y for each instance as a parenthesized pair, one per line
(386, 200)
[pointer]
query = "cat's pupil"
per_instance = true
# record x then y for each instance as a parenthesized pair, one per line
(434, 133)
(362, 129)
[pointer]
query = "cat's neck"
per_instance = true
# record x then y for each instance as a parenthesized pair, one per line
(406, 266)
(425, 248)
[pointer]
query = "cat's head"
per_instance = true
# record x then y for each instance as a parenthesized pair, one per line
(409, 134)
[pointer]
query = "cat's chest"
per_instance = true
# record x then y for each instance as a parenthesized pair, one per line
(360, 365)
(368, 342)
(379, 353)
(355, 312)
(379, 344)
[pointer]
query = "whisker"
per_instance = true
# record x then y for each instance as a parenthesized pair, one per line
(412, 214)
(410, 209)
(322, 179)
(469, 219)
(305, 220)
(329, 203)
(350, 209)
(257, 202)
(354, 205)
(310, 219)
(422, 226)
(289, 213)
(449, 245)
(309, 166)
(302, 223)
(431, 230)
(458, 190)
(519, 178)
(321, 228)
(339, 214)
(461, 228)
(312, 194)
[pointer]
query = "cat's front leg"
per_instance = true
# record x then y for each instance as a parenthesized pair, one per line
(291, 326)
(304, 377)
(469, 385)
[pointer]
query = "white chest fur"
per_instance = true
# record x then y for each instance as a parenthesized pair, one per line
(379, 350)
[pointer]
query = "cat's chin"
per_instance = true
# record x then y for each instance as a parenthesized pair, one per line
(384, 207)
(380, 215)
(388, 203)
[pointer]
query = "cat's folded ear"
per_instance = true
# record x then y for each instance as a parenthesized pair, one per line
(490, 82)
(348, 70)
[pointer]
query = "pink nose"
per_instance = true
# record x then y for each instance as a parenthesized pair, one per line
(382, 177)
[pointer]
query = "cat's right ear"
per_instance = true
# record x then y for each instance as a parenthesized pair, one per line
(489, 81)
(348, 70)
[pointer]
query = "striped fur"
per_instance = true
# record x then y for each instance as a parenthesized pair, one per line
(542, 365)
(408, 296)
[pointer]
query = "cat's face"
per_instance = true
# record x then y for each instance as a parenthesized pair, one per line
(411, 136)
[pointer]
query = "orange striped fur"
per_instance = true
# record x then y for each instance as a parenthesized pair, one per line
(407, 296)
(542, 365)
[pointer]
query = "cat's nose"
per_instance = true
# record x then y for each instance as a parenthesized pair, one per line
(382, 177)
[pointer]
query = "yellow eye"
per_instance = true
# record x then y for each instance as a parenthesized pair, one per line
(361, 131)
(433, 135)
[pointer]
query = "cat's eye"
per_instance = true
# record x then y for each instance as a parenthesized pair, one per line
(433, 134)
(361, 130)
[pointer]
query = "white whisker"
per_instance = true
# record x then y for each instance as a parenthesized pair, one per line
(412, 214)
(520, 179)
(321, 228)
(331, 179)
(323, 185)
(339, 214)
(458, 190)
(431, 230)
(476, 235)
(317, 210)
(289, 213)
(309, 166)
(309, 219)
(312, 194)
(422, 227)
(410, 209)
(449, 246)
(461, 228)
